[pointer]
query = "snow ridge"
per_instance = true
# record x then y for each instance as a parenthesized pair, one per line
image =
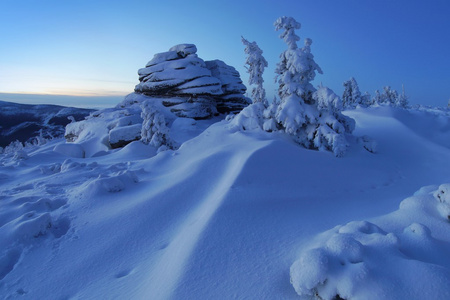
(169, 268)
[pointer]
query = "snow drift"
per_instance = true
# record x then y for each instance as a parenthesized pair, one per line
(228, 213)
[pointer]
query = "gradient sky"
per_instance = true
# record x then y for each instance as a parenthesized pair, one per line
(94, 48)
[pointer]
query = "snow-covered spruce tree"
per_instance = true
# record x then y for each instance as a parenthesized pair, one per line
(312, 117)
(376, 98)
(332, 125)
(366, 99)
(295, 71)
(154, 129)
(389, 96)
(402, 99)
(256, 64)
(351, 96)
(251, 117)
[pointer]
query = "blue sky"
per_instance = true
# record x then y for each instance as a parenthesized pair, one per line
(94, 48)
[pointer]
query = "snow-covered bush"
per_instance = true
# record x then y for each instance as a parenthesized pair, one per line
(154, 129)
(13, 147)
(38, 140)
(256, 64)
(332, 125)
(250, 118)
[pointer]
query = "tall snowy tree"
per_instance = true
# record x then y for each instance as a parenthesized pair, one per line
(295, 71)
(312, 117)
(256, 64)
(351, 96)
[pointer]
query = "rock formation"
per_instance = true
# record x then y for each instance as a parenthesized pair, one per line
(232, 98)
(190, 86)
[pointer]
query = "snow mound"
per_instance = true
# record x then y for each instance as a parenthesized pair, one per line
(386, 258)
(72, 150)
(111, 184)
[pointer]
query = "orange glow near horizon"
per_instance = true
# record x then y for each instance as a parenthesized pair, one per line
(68, 87)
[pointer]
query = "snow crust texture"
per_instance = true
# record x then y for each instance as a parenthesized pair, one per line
(390, 257)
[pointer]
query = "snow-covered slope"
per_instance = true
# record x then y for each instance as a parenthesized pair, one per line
(24, 121)
(226, 216)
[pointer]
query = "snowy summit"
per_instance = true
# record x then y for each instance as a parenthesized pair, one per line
(185, 190)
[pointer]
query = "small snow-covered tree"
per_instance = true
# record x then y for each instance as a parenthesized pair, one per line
(13, 147)
(351, 96)
(366, 100)
(402, 99)
(377, 98)
(154, 129)
(256, 65)
(389, 96)
(332, 125)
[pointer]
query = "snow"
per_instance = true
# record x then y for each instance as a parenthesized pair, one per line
(397, 251)
(230, 214)
(125, 134)
(72, 150)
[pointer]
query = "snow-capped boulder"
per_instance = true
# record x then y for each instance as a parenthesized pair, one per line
(122, 136)
(190, 86)
(105, 129)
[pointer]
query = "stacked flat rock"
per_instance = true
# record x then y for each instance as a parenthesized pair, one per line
(232, 99)
(190, 86)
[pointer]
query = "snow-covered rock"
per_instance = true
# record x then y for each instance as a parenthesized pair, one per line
(106, 129)
(176, 72)
(233, 98)
(121, 136)
(192, 87)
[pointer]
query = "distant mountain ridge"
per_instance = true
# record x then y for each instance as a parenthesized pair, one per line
(24, 121)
